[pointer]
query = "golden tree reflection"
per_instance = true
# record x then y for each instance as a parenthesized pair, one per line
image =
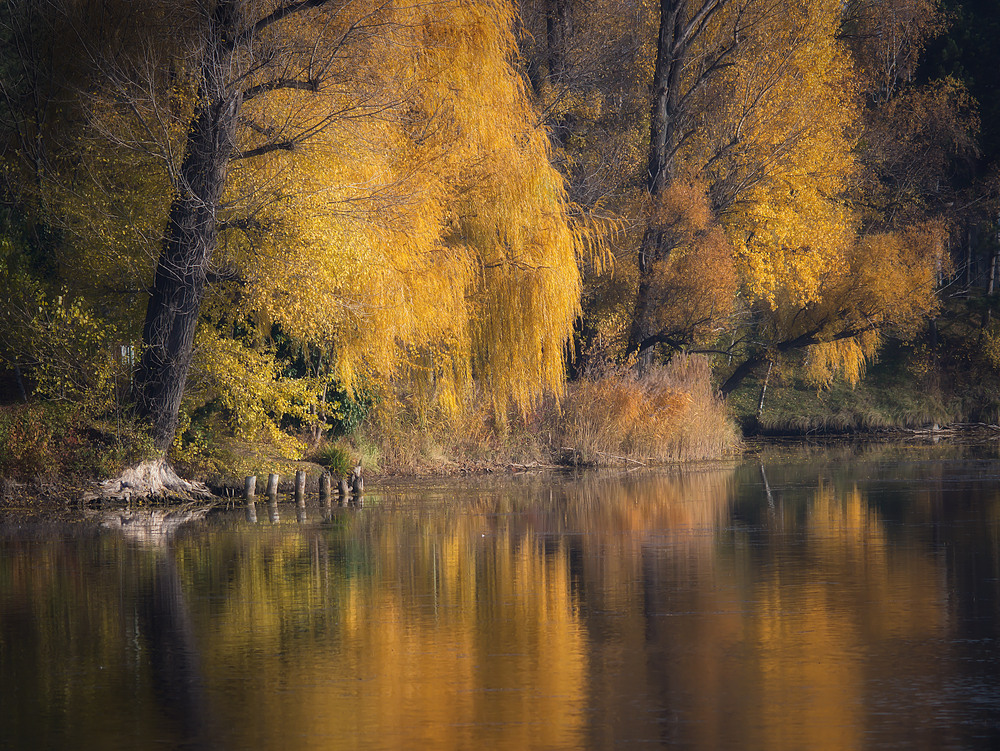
(591, 612)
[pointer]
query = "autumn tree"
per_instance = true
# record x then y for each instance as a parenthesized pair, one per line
(243, 51)
(784, 157)
(880, 167)
(368, 176)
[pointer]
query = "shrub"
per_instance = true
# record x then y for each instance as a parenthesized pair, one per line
(336, 459)
(25, 442)
(669, 413)
(43, 438)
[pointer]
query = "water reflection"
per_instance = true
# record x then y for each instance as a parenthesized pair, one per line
(821, 605)
(174, 659)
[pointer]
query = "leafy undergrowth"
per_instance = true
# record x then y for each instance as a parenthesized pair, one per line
(668, 414)
(52, 453)
(51, 440)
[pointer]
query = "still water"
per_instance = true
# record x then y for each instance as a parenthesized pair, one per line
(840, 601)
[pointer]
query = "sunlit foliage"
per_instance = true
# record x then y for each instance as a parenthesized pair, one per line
(407, 193)
(815, 154)
(399, 211)
(669, 413)
(432, 240)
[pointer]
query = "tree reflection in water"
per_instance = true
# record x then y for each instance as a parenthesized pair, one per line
(786, 606)
(177, 681)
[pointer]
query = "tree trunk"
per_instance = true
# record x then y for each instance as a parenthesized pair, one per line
(991, 285)
(190, 237)
(20, 383)
(745, 368)
(558, 29)
(663, 136)
(763, 389)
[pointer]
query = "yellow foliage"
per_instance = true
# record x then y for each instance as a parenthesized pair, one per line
(890, 282)
(416, 229)
(845, 357)
(894, 276)
(248, 387)
(695, 286)
(73, 354)
(431, 241)
(779, 156)
(792, 103)
(991, 345)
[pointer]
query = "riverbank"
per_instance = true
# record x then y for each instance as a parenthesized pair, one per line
(911, 386)
(50, 493)
(51, 454)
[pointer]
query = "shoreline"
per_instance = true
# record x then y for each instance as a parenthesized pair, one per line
(48, 493)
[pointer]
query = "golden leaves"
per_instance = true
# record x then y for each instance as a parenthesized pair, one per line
(696, 286)
(437, 229)
(247, 386)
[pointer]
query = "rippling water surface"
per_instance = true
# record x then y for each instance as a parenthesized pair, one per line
(841, 601)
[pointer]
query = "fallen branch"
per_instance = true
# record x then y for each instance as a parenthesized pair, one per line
(623, 458)
(534, 465)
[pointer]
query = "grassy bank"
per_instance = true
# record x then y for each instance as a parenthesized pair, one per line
(912, 385)
(611, 418)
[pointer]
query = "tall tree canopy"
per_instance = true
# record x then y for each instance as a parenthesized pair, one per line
(403, 193)
(368, 175)
(784, 160)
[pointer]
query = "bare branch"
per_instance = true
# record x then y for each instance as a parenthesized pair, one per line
(311, 85)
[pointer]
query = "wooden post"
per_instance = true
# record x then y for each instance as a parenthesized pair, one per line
(272, 497)
(249, 489)
(342, 489)
(324, 495)
(300, 487)
(300, 496)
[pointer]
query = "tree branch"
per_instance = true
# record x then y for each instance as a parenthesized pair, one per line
(311, 85)
(284, 10)
(266, 148)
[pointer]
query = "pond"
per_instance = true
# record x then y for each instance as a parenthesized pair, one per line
(843, 600)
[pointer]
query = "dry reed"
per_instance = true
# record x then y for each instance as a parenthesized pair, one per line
(668, 414)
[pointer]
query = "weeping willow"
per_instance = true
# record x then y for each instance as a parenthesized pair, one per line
(430, 239)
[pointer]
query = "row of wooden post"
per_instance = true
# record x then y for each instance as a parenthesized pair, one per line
(356, 486)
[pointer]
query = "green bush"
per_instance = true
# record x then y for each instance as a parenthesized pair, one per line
(25, 442)
(336, 459)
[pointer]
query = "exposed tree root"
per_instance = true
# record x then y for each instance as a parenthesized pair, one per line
(154, 479)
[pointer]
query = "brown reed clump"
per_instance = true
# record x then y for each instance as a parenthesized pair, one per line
(668, 413)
